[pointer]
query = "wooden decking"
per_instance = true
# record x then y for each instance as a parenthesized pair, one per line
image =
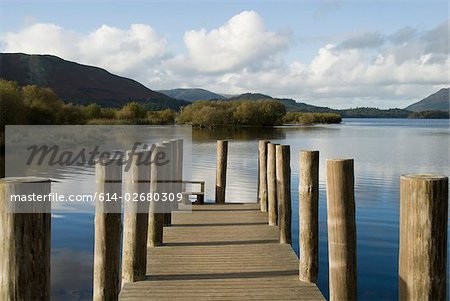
(221, 252)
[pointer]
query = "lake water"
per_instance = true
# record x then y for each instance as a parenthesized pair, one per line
(383, 149)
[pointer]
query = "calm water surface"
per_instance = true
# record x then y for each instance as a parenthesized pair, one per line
(383, 149)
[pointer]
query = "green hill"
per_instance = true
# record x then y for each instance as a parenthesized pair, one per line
(80, 84)
(439, 101)
(191, 94)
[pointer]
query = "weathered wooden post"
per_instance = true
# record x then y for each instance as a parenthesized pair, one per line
(24, 241)
(156, 215)
(173, 204)
(423, 237)
(262, 174)
(179, 171)
(108, 229)
(168, 185)
(135, 224)
(309, 215)
(221, 171)
(283, 172)
(341, 229)
(272, 184)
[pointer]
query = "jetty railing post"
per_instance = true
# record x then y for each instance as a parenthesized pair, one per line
(173, 204)
(135, 224)
(341, 229)
(108, 230)
(272, 184)
(221, 170)
(179, 171)
(168, 185)
(24, 242)
(262, 174)
(423, 237)
(309, 215)
(156, 215)
(283, 173)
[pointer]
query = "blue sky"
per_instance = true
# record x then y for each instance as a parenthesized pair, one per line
(335, 53)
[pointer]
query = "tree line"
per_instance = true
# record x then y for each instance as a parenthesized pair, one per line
(36, 105)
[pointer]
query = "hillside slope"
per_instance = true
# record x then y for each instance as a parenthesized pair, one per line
(81, 84)
(439, 101)
(191, 94)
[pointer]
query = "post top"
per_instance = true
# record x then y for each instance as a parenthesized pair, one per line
(282, 146)
(308, 151)
(13, 180)
(430, 177)
(339, 160)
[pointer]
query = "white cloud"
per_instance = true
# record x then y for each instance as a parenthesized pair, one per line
(122, 51)
(371, 68)
(239, 43)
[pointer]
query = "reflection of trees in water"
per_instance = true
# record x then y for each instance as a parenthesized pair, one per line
(237, 133)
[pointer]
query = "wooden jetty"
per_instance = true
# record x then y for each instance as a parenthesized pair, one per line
(225, 251)
(221, 252)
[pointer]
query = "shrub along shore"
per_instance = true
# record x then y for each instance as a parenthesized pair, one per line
(35, 105)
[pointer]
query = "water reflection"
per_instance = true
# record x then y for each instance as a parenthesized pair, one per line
(237, 134)
(382, 149)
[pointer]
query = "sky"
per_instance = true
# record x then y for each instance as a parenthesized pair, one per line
(333, 53)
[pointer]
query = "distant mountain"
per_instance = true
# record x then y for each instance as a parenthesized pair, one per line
(80, 84)
(294, 106)
(290, 104)
(191, 94)
(439, 101)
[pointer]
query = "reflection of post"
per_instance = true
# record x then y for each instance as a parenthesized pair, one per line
(24, 242)
(283, 155)
(262, 165)
(341, 229)
(221, 170)
(134, 253)
(309, 215)
(423, 237)
(168, 185)
(108, 229)
(156, 215)
(272, 184)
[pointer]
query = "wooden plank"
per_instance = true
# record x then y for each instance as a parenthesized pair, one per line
(221, 252)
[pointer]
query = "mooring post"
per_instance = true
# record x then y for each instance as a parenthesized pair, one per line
(168, 185)
(341, 229)
(309, 215)
(179, 167)
(221, 171)
(272, 184)
(173, 204)
(24, 240)
(156, 212)
(135, 224)
(283, 173)
(423, 237)
(262, 172)
(108, 229)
